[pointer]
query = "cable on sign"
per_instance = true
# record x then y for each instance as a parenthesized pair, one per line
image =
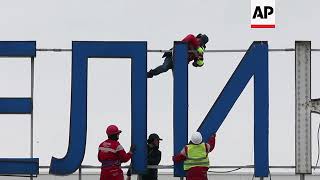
(233, 170)
(164, 51)
(12, 175)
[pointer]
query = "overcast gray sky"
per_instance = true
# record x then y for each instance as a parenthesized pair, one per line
(55, 24)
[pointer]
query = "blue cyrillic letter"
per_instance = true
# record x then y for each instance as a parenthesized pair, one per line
(28, 166)
(81, 51)
(254, 64)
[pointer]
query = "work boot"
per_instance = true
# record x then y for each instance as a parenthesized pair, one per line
(150, 73)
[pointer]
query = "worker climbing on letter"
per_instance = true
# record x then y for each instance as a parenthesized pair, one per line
(196, 44)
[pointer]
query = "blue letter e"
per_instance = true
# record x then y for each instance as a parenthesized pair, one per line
(28, 166)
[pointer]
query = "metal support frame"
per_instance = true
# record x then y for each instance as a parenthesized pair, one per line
(303, 108)
(80, 173)
(31, 115)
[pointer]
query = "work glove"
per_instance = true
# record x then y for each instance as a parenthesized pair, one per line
(200, 50)
(132, 148)
(198, 63)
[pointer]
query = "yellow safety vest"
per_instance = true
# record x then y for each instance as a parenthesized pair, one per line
(196, 156)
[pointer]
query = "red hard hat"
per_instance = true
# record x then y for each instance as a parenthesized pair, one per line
(113, 129)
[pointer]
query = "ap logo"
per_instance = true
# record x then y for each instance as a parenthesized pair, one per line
(263, 14)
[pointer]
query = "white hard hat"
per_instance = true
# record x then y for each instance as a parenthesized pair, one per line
(196, 138)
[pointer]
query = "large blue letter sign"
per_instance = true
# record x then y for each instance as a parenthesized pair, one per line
(254, 64)
(18, 106)
(81, 51)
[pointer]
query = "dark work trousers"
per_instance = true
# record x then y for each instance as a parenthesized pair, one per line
(167, 64)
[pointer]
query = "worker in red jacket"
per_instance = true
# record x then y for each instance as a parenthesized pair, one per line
(111, 154)
(196, 44)
(195, 157)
